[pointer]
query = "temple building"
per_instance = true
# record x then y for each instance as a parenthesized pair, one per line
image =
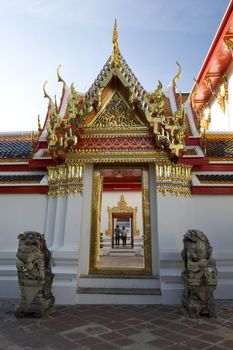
(154, 163)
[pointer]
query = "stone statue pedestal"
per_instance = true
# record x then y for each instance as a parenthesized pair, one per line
(198, 297)
(199, 275)
(35, 275)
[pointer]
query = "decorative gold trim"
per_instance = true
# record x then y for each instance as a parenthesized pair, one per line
(122, 208)
(174, 179)
(93, 269)
(116, 113)
(92, 132)
(65, 179)
(34, 141)
(219, 136)
(127, 156)
(95, 220)
(146, 221)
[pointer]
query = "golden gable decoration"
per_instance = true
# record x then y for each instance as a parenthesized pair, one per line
(116, 114)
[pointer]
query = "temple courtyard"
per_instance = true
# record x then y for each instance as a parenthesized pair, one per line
(107, 327)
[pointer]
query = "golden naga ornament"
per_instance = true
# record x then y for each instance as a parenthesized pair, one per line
(39, 126)
(169, 130)
(177, 76)
(63, 133)
(194, 94)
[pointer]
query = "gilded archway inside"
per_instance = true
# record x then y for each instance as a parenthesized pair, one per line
(123, 209)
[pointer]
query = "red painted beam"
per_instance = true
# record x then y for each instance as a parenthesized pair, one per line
(211, 190)
(212, 64)
(41, 163)
(194, 161)
(19, 167)
(213, 167)
(122, 187)
(194, 141)
(217, 41)
(42, 144)
(122, 190)
(24, 189)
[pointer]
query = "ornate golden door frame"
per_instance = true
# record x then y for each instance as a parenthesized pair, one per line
(96, 218)
(95, 225)
(122, 209)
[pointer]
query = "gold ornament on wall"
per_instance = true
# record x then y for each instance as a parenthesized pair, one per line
(174, 179)
(222, 96)
(222, 93)
(65, 179)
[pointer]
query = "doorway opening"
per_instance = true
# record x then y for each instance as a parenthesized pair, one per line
(126, 222)
(120, 208)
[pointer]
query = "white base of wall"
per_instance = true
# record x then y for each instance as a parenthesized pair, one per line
(64, 284)
(9, 288)
(65, 292)
(66, 281)
(118, 290)
(172, 287)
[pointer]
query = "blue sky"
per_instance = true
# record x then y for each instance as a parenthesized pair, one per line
(38, 35)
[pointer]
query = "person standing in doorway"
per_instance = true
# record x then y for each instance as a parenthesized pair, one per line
(124, 236)
(117, 235)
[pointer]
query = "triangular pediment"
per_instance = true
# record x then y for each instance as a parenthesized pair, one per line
(116, 114)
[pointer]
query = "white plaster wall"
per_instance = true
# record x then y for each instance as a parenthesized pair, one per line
(19, 213)
(211, 214)
(219, 120)
(73, 222)
(111, 199)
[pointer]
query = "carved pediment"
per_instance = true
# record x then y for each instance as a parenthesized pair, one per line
(116, 114)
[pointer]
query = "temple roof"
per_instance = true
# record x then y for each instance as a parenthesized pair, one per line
(216, 62)
(16, 179)
(213, 178)
(15, 146)
(117, 65)
(219, 145)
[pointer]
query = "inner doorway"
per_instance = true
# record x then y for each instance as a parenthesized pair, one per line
(120, 197)
(125, 221)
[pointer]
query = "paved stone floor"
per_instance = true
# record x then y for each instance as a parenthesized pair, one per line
(107, 327)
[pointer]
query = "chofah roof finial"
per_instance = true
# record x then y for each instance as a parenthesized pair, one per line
(116, 55)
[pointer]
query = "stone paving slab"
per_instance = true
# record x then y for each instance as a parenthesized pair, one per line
(109, 327)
